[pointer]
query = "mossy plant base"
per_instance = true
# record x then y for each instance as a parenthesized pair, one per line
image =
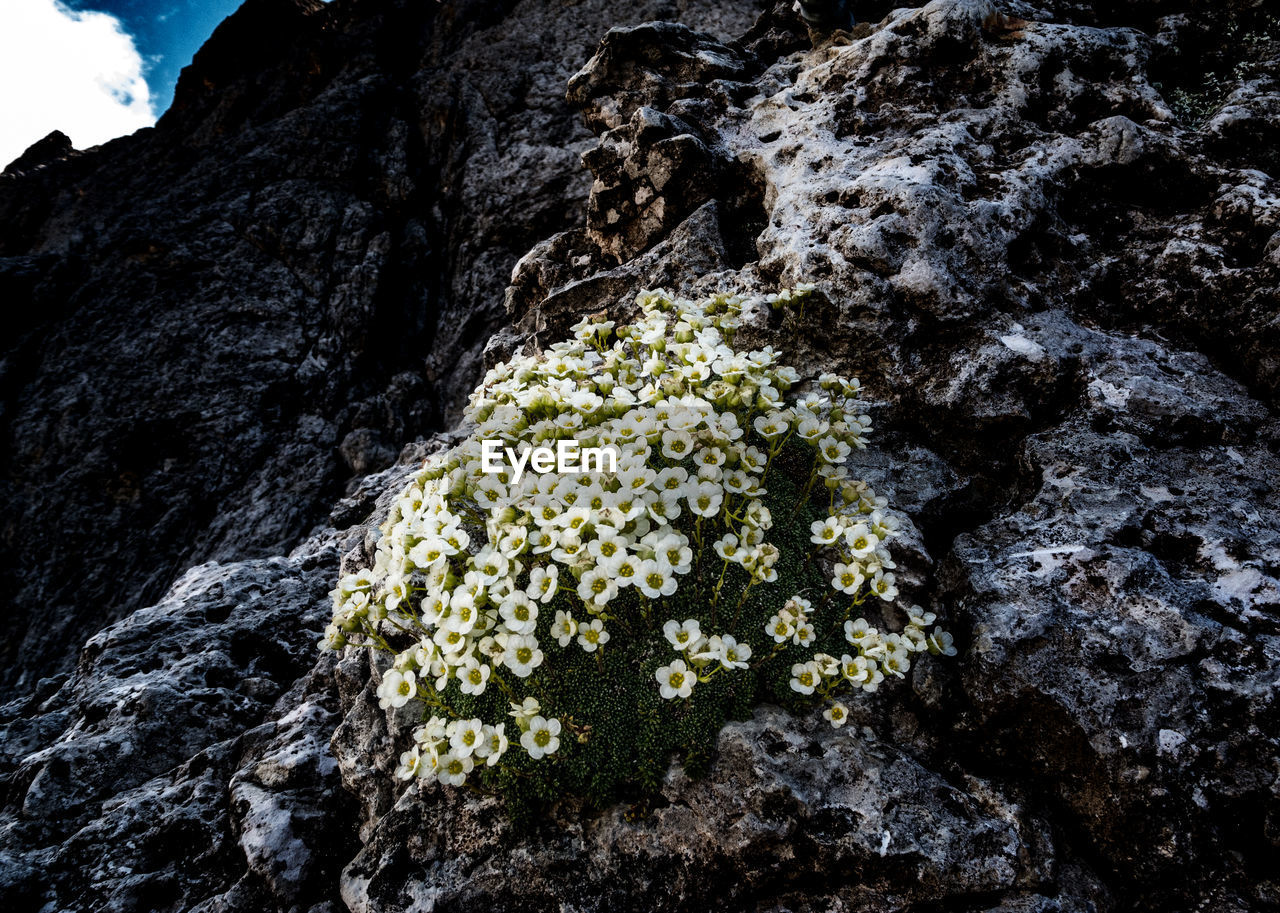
(603, 622)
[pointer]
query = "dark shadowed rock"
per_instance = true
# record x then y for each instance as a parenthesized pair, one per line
(55, 146)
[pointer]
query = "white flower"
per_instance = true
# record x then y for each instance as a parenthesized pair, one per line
(825, 532)
(837, 715)
(723, 649)
(473, 676)
(656, 579)
(574, 519)
(811, 428)
(671, 479)
(771, 426)
(449, 642)
(628, 571)
(727, 547)
(919, 617)
(428, 553)
(675, 680)
(753, 459)
(828, 665)
(682, 635)
(897, 660)
(914, 639)
(490, 564)
(542, 737)
(540, 542)
(466, 735)
(409, 762)
(705, 499)
(672, 550)
(434, 607)
(833, 450)
(608, 549)
(523, 713)
(940, 642)
(564, 628)
(569, 546)
(847, 579)
(882, 586)
(519, 614)
(676, 445)
(780, 629)
(592, 634)
(597, 587)
(733, 655)
(397, 688)
(522, 655)
(805, 677)
(798, 606)
(857, 630)
(861, 541)
(493, 744)
(706, 650)
(543, 583)
(452, 770)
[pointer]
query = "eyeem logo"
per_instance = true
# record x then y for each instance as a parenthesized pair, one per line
(568, 456)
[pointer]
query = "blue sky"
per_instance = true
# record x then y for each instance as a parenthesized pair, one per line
(94, 69)
(167, 33)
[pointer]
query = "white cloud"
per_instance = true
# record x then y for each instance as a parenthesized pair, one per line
(65, 70)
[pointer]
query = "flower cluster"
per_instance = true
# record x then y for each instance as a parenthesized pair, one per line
(492, 589)
(875, 655)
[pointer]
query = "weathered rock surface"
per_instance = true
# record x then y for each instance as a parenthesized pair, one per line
(1062, 298)
(788, 806)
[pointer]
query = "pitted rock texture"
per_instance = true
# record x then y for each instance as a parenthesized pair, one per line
(789, 804)
(1061, 292)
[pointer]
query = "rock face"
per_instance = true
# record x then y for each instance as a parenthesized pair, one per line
(1059, 285)
(224, 317)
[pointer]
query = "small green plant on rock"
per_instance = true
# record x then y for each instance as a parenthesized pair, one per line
(566, 632)
(1243, 50)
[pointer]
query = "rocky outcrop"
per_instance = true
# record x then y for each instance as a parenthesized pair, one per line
(227, 317)
(1060, 292)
